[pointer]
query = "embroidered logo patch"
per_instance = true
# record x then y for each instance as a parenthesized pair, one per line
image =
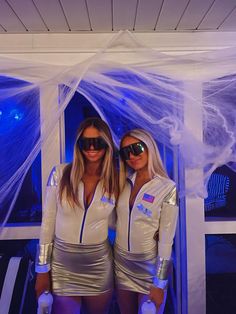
(144, 210)
(148, 198)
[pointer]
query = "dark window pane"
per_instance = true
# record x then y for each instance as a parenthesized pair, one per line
(221, 273)
(20, 121)
(221, 200)
(28, 206)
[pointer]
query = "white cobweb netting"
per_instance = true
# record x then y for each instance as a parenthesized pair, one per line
(130, 86)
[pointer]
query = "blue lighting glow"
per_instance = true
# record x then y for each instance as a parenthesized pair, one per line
(16, 114)
(20, 121)
(13, 109)
(11, 113)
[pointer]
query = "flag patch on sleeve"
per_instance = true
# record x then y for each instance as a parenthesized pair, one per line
(148, 198)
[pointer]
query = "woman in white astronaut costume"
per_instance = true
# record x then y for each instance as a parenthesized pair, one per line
(74, 257)
(146, 221)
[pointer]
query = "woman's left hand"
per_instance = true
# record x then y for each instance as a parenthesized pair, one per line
(156, 295)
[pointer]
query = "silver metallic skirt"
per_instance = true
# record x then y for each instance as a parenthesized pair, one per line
(134, 271)
(81, 270)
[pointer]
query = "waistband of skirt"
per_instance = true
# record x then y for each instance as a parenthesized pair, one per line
(136, 256)
(65, 246)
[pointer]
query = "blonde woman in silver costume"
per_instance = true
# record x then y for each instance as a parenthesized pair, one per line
(74, 257)
(146, 222)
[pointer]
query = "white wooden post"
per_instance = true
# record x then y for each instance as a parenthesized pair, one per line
(195, 233)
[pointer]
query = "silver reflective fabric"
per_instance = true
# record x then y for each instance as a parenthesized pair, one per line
(152, 211)
(81, 270)
(44, 252)
(171, 198)
(163, 267)
(134, 271)
(53, 178)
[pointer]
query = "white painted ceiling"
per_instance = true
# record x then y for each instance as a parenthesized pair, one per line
(66, 16)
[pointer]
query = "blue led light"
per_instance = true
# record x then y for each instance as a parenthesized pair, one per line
(11, 116)
(16, 114)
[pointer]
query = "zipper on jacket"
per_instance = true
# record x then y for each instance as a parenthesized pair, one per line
(130, 210)
(85, 214)
(82, 227)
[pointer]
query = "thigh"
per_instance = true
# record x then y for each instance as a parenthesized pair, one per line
(128, 301)
(98, 304)
(162, 307)
(66, 305)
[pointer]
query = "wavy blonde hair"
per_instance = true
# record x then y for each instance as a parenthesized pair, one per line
(74, 171)
(155, 165)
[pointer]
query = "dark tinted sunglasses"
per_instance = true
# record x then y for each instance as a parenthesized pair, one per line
(85, 143)
(136, 149)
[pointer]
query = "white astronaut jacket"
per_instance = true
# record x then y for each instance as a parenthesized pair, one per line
(154, 209)
(80, 225)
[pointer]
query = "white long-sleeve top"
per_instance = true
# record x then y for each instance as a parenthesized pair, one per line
(80, 225)
(154, 209)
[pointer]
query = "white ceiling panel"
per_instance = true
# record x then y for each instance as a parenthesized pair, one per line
(52, 14)
(66, 16)
(77, 14)
(230, 23)
(147, 14)
(100, 14)
(9, 20)
(32, 21)
(124, 14)
(194, 14)
(171, 13)
(217, 14)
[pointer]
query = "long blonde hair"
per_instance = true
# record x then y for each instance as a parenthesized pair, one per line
(74, 171)
(155, 165)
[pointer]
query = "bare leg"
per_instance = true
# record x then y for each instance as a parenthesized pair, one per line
(162, 307)
(98, 304)
(66, 305)
(128, 301)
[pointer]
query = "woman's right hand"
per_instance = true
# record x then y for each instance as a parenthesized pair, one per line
(42, 283)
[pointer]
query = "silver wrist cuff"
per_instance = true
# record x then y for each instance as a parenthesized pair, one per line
(163, 266)
(44, 252)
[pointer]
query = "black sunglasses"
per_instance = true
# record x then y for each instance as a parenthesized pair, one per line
(85, 143)
(135, 149)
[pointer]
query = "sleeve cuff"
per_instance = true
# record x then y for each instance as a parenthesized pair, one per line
(163, 267)
(42, 268)
(43, 257)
